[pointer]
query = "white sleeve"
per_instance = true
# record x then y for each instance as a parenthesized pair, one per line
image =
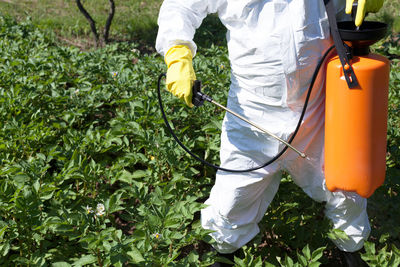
(178, 21)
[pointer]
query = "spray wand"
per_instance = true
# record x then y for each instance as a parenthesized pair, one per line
(199, 98)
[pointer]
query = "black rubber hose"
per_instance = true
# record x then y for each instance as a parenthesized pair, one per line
(313, 79)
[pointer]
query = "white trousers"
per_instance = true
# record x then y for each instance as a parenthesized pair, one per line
(238, 201)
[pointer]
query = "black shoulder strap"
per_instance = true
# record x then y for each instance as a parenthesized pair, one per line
(340, 48)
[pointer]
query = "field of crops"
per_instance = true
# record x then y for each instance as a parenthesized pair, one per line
(89, 176)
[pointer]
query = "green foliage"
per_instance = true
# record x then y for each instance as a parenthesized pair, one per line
(133, 20)
(383, 257)
(90, 177)
(83, 129)
(136, 20)
(305, 258)
(390, 14)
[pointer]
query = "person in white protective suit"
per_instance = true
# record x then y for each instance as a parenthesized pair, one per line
(274, 46)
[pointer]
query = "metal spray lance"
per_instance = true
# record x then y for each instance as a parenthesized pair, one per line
(199, 98)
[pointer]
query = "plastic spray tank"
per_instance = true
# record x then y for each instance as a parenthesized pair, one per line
(356, 118)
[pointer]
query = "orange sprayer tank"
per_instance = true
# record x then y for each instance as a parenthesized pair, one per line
(356, 124)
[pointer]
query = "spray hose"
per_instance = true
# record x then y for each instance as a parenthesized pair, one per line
(199, 98)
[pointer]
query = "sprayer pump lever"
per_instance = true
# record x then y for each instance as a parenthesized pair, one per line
(199, 97)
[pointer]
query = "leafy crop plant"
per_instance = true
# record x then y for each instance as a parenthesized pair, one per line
(90, 177)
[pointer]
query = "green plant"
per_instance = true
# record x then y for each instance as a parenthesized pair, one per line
(382, 257)
(89, 175)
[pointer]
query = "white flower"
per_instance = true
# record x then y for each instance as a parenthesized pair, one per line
(100, 210)
(157, 235)
(114, 74)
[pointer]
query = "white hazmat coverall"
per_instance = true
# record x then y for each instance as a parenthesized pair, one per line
(274, 46)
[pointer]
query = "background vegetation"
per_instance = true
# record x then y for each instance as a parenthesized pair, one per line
(88, 175)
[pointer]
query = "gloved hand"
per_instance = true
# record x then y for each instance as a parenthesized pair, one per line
(180, 73)
(364, 6)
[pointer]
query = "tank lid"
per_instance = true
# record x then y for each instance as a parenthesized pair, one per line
(369, 30)
(362, 37)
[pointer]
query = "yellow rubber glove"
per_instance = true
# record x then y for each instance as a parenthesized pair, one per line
(364, 6)
(180, 73)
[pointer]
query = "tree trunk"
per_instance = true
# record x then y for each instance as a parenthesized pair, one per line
(109, 20)
(90, 20)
